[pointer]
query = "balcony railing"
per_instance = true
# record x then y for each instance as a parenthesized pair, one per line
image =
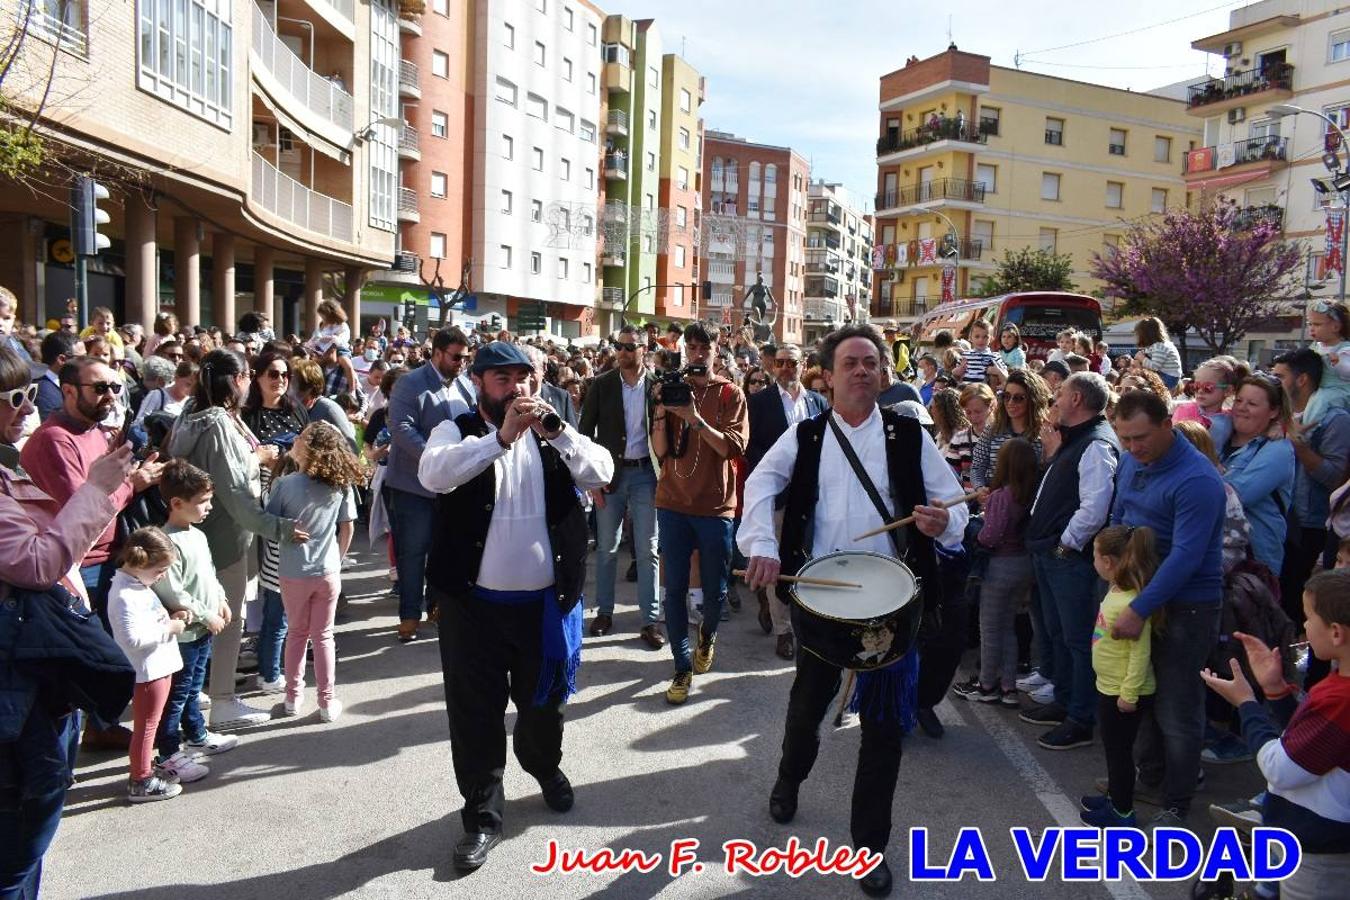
(943, 250)
(617, 122)
(1259, 149)
(1250, 216)
(928, 191)
(345, 7)
(1275, 76)
(409, 80)
(57, 22)
(613, 297)
(944, 129)
(408, 140)
(322, 96)
(283, 196)
(408, 202)
(822, 216)
(821, 309)
(406, 261)
(616, 165)
(821, 287)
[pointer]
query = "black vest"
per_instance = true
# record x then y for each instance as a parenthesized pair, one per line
(464, 515)
(1058, 498)
(904, 448)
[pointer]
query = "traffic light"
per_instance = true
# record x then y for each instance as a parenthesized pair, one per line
(87, 217)
(530, 317)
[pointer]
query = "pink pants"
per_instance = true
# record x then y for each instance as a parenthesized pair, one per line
(147, 705)
(310, 605)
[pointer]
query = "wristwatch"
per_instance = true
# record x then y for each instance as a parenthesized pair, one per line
(1061, 552)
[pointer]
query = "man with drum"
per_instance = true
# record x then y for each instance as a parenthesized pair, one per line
(828, 507)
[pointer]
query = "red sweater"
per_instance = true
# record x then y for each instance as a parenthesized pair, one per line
(58, 456)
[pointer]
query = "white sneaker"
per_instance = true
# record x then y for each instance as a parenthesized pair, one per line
(1044, 694)
(291, 709)
(273, 687)
(203, 700)
(183, 768)
(214, 743)
(1029, 683)
(232, 713)
(332, 711)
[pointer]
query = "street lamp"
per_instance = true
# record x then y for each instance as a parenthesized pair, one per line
(368, 132)
(1340, 181)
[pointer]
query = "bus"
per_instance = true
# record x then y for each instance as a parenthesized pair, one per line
(1038, 315)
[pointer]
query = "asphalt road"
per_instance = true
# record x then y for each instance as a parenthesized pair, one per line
(367, 807)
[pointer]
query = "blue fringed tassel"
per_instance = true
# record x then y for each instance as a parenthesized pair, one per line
(889, 694)
(562, 651)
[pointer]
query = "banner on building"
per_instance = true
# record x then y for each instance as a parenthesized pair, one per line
(948, 283)
(879, 257)
(901, 254)
(927, 251)
(1335, 234)
(1227, 156)
(1201, 160)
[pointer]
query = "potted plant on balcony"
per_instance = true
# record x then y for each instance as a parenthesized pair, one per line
(411, 9)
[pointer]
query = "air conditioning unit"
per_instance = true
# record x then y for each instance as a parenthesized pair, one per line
(1233, 49)
(262, 135)
(1237, 114)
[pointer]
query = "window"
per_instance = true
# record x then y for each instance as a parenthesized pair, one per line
(590, 179)
(684, 138)
(681, 217)
(563, 119)
(441, 7)
(651, 161)
(436, 248)
(541, 5)
(679, 256)
(565, 169)
(586, 272)
(537, 159)
(171, 34)
(1049, 186)
(1116, 143)
(440, 124)
(587, 131)
(1162, 149)
(982, 232)
(506, 91)
(686, 101)
(1049, 239)
(651, 119)
(504, 256)
(653, 76)
(440, 64)
(567, 69)
(1054, 131)
(562, 268)
(540, 54)
(508, 147)
(536, 106)
(682, 178)
(1340, 47)
(989, 120)
(509, 35)
(536, 262)
(590, 82)
(381, 149)
(438, 182)
(1158, 200)
(506, 202)
(592, 36)
(1115, 194)
(988, 175)
(567, 18)
(536, 211)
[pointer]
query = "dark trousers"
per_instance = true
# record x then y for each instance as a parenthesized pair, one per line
(1070, 594)
(942, 639)
(489, 652)
(813, 691)
(1118, 731)
(411, 519)
(1301, 552)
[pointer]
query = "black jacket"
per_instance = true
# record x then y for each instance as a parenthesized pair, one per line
(768, 421)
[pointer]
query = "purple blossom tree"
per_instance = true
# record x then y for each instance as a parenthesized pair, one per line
(1213, 269)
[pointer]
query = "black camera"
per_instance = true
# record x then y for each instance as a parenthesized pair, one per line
(674, 389)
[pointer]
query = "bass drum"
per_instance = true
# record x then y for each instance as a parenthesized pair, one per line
(862, 628)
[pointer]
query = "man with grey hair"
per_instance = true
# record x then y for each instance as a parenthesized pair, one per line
(1071, 506)
(556, 397)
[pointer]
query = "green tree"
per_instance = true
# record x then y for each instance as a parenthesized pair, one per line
(1028, 270)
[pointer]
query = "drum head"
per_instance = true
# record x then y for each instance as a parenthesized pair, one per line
(887, 585)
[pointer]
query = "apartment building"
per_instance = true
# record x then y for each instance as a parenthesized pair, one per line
(975, 159)
(247, 148)
(680, 200)
(754, 226)
(838, 282)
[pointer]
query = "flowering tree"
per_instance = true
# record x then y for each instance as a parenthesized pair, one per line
(1028, 270)
(1213, 270)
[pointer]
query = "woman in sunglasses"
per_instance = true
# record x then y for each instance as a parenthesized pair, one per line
(756, 380)
(1020, 413)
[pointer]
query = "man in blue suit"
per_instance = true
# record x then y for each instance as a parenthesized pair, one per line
(421, 400)
(772, 411)
(58, 348)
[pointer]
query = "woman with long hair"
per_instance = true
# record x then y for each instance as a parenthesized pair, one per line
(1259, 467)
(1020, 412)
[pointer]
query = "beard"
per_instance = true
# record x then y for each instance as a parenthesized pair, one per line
(495, 410)
(94, 412)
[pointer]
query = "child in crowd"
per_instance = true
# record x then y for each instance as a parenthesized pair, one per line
(1307, 767)
(1215, 384)
(979, 357)
(1126, 559)
(148, 635)
(318, 496)
(1065, 341)
(272, 631)
(333, 329)
(1329, 325)
(190, 585)
(1008, 576)
(1157, 352)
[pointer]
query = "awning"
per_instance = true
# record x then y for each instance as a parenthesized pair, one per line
(318, 142)
(1232, 179)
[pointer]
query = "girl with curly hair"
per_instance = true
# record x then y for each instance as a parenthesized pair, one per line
(319, 495)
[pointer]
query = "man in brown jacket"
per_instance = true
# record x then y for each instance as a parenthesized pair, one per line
(697, 443)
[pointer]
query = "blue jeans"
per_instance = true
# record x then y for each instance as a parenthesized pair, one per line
(97, 583)
(271, 636)
(30, 808)
(412, 519)
(181, 710)
(1070, 593)
(634, 492)
(680, 536)
(1172, 733)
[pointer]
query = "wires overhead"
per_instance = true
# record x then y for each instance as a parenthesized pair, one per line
(1021, 54)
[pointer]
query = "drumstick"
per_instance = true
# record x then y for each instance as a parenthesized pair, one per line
(901, 523)
(843, 700)
(804, 579)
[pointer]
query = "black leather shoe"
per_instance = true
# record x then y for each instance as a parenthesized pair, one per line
(472, 850)
(928, 721)
(558, 793)
(783, 801)
(877, 883)
(601, 624)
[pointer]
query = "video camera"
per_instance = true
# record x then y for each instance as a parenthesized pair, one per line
(674, 389)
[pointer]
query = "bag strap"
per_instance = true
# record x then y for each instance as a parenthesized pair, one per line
(867, 483)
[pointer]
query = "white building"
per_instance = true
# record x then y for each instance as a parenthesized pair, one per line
(838, 283)
(537, 99)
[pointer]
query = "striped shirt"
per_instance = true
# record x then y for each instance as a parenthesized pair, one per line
(977, 361)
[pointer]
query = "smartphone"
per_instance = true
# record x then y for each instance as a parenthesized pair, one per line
(122, 434)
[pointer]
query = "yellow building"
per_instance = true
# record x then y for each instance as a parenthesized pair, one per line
(975, 159)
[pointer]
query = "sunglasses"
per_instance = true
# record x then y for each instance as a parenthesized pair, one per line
(1209, 386)
(631, 348)
(277, 374)
(103, 387)
(762, 382)
(787, 363)
(1014, 398)
(457, 357)
(19, 396)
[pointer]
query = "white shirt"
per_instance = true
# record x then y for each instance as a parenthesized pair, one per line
(793, 408)
(140, 627)
(635, 418)
(517, 555)
(1096, 487)
(843, 510)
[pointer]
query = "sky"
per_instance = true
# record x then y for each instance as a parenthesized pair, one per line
(805, 73)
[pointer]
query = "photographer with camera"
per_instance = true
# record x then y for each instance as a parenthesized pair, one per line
(699, 427)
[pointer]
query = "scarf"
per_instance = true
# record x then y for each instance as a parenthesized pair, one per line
(560, 640)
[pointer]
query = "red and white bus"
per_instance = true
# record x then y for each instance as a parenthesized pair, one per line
(1038, 315)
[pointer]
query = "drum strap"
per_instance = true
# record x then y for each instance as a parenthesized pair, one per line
(869, 486)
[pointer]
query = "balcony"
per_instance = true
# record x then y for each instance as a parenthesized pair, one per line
(822, 241)
(288, 199)
(409, 143)
(614, 257)
(618, 73)
(824, 217)
(1264, 84)
(934, 131)
(613, 297)
(60, 24)
(821, 287)
(616, 212)
(1249, 217)
(406, 262)
(822, 263)
(616, 166)
(617, 123)
(819, 309)
(408, 206)
(411, 27)
(939, 192)
(1271, 150)
(409, 80)
(283, 73)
